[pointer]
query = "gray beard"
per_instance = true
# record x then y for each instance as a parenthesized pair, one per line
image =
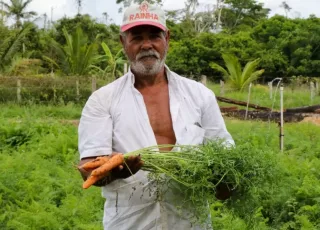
(148, 70)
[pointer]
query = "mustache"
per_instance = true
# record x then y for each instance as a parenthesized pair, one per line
(148, 53)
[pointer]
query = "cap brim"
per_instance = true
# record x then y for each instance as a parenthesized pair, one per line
(142, 23)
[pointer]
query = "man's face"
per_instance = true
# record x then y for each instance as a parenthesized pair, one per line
(146, 48)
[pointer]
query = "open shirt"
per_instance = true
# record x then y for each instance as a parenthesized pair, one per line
(115, 119)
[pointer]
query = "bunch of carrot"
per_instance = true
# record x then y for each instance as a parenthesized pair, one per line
(195, 166)
(199, 169)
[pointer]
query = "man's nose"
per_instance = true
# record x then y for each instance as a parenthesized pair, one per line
(146, 44)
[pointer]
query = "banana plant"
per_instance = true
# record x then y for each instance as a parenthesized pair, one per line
(113, 62)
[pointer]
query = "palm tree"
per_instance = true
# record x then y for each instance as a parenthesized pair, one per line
(77, 57)
(79, 5)
(11, 45)
(17, 9)
(286, 7)
(233, 74)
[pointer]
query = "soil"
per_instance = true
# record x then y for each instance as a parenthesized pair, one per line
(73, 122)
(313, 120)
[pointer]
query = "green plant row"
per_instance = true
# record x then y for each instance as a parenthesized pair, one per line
(41, 189)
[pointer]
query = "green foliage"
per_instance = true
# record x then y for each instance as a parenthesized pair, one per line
(286, 47)
(113, 63)
(238, 78)
(77, 57)
(242, 15)
(41, 189)
(291, 44)
(201, 169)
(48, 89)
(260, 95)
(11, 45)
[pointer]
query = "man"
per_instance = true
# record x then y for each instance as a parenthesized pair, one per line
(148, 106)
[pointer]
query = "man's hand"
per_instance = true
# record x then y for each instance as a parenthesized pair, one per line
(130, 167)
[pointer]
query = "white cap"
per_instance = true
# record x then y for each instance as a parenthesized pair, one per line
(143, 14)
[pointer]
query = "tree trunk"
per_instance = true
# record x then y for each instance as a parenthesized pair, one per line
(265, 116)
(235, 102)
(305, 109)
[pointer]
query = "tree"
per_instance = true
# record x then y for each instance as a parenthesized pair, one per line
(77, 57)
(240, 14)
(79, 5)
(289, 46)
(17, 9)
(286, 7)
(238, 78)
(11, 46)
(89, 26)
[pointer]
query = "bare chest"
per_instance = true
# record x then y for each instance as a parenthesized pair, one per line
(158, 108)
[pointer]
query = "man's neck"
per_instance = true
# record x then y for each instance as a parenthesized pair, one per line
(150, 81)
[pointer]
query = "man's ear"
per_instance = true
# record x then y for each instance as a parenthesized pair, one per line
(168, 36)
(122, 40)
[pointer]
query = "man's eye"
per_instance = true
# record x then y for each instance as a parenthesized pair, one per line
(136, 38)
(153, 36)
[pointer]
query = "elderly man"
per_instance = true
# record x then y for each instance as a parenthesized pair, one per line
(148, 106)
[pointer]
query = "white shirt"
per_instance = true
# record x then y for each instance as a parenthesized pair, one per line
(115, 119)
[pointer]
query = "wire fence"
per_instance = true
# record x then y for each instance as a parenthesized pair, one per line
(48, 89)
(51, 89)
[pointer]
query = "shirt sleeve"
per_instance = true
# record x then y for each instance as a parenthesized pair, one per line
(95, 128)
(212, 120)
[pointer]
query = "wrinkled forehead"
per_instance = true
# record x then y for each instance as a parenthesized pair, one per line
(144, 29)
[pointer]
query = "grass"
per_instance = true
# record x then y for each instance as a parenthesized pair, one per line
(14, 111)
(260, 95)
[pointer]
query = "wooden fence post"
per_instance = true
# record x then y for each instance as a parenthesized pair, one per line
(54, 90)
(221, 88)
(19, 90)
(204, 80)
(312, 91)
(248, 101)
(94, 84)
(270, 89)
(77, 90)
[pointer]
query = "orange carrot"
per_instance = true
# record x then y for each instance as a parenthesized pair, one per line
(112, 163)
(95, 163)
(91, 180)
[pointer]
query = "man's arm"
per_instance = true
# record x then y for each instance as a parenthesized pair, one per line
(212, 120)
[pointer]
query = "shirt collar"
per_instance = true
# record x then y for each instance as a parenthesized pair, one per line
(171, 77)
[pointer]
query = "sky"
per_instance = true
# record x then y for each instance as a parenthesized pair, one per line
(300, 8)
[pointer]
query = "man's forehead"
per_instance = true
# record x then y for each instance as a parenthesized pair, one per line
(145, 29)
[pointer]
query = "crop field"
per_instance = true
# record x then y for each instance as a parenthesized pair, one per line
(40, 188)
